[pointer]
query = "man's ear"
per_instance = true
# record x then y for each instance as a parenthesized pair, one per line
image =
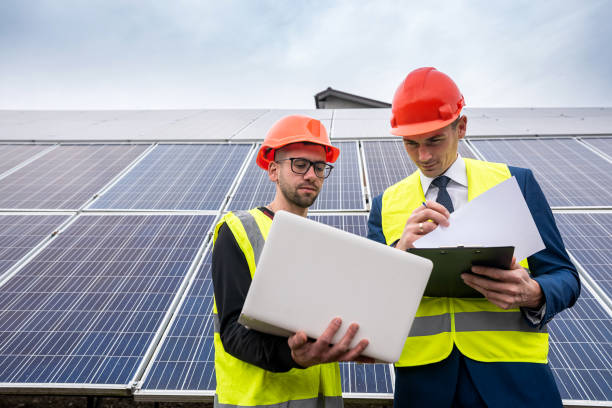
(273, 170)
(462, 127)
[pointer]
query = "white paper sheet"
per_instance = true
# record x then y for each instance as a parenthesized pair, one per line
(498, 217)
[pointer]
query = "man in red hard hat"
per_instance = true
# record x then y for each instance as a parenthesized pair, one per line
(472, 352)
(254, 368)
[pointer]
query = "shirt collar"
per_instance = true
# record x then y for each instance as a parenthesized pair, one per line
(456, 172)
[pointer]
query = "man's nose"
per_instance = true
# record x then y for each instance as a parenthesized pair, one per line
(310, 173)
(424, 153)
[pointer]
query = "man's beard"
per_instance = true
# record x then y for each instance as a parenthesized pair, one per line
(292, 195)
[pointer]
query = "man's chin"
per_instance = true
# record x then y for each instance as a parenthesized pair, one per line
(432, 172)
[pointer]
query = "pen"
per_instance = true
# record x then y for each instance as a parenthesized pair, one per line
(425, 204)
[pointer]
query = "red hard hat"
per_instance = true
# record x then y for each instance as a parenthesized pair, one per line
(425, 101)
(295, 129)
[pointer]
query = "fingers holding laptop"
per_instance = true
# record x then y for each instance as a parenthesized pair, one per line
(308, 353)
(424, 219)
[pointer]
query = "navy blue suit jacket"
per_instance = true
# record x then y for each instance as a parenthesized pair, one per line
(520, 384)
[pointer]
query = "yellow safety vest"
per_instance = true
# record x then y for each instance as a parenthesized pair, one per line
(479, 329)
(242, 384)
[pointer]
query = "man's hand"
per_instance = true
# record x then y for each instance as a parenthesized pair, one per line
(307, 353)
(418, 223)
(506, 288)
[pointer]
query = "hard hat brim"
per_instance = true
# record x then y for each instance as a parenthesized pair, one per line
(421, 129)
(263, 161)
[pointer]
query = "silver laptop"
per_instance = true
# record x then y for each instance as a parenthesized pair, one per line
(309, 273)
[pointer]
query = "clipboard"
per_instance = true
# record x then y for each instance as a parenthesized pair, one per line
(449, 263)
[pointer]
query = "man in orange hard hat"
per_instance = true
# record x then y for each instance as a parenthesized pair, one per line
(472, 352)
(253, 368)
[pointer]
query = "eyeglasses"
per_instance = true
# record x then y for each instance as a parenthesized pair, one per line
(301, 166)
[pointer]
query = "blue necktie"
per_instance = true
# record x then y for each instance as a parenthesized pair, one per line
(443, 196)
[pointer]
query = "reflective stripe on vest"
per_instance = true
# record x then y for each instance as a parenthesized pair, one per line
(321, 401)
(481, 330)
(241, 384)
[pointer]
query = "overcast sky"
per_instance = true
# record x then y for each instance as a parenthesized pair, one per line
(91, 54)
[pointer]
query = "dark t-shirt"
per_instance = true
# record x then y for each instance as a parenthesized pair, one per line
(231, 281)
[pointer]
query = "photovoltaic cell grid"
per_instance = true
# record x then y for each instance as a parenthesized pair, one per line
(67, 177)
(580, 352)
(21, 233)
(186, 358)
(568, 172)
(185, 361)
(602, 143)
(588, 237)
(84, 311)
(359, 378)
(12, 155)
(387, 163)
(342, 190)
(178, 177)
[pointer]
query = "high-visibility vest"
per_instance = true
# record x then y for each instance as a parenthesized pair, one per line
(479, 329)
(242, 384)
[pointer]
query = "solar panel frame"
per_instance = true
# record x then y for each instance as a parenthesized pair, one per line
(187, 243)
(178, 177)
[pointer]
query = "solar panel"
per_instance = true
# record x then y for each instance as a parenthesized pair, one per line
(21, 233)
(178, 177)
(580, 352)
(588, 237)
(185, 361)
(12, 155)
(84, 311)
(342, 190)
(67, 177)
(568, 172)
(184, 364)
(387, 163)
(604, 144)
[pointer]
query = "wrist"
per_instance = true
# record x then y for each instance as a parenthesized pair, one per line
(536, 299)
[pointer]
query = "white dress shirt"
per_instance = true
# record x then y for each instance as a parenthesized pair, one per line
(457, 186)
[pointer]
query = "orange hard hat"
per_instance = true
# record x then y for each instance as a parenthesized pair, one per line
(295, 129)
(425, 101)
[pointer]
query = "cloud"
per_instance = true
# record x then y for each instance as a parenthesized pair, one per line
(200, 54)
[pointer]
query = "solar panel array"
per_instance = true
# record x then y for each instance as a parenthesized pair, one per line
(86, 309)
(119, 297)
